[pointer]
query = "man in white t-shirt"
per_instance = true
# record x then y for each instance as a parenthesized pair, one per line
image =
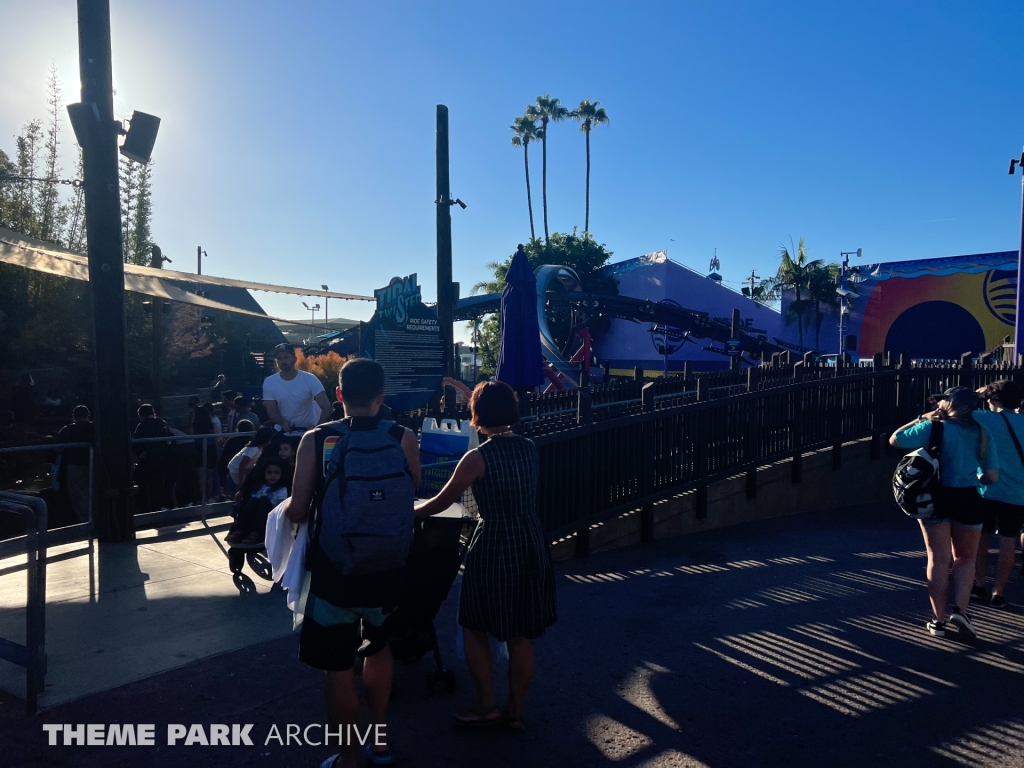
(295, 400)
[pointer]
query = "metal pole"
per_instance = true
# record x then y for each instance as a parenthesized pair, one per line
(106, 277)
(842, 302)
(734, 361)
(199, 259)
(445, 310)
(1018, 336)
(157, 304)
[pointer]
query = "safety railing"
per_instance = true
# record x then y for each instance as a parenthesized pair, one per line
(31, 655)
(65, 534)
(206, 508)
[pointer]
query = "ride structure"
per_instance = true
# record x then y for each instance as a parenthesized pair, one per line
(560, 286)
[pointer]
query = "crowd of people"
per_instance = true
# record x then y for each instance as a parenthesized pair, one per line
(981, 462)
(354, 486)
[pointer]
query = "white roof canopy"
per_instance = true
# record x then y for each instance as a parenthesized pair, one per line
(23, 251)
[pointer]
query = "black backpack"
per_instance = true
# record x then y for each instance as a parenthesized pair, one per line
(364, 517)
(917, 477)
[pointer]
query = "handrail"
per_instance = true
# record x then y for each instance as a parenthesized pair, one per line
(32, 655)
(44, 447)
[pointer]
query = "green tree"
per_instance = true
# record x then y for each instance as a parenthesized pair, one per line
(27, 146)
(52, 215)
(77, 240)
(821, 291)
(128, 173)
(794, 273)
(7, 168)
(581, 253)
(590, 114)
(138, 250)
(526, 130)
(547, 110)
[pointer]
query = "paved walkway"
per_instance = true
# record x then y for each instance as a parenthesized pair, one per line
(798, 641)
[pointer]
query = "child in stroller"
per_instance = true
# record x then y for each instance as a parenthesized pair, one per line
(264, 488)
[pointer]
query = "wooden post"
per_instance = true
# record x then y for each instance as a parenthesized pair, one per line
(584, 417)
(752, 411)
(700, 451)
(445, 304)
(113, 488)
(647, 464)
(966, 378)
(797, 433)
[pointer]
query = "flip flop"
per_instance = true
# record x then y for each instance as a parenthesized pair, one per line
(515, 725)
(471, 718)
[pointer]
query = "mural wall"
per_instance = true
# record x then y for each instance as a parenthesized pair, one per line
(932, 308)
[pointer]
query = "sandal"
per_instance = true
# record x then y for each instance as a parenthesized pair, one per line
(515, 725)
(471, 717)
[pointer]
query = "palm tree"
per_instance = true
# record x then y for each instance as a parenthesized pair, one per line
(794, 274)
(821, 291)
(497, 283)
(591, 115)
(547, 109)
(526, 130)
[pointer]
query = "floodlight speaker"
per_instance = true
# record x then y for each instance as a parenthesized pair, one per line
(84, 117)
(138, 144)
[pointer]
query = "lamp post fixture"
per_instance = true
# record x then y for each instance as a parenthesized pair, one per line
(845, 294)
(312, 313)
(327, 304)
(1018, 331)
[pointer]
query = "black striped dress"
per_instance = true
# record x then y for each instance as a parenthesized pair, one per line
(508, 588)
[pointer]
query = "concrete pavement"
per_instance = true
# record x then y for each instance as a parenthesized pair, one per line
(797, 641)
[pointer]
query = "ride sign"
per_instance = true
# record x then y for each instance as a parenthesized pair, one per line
(733, 347)
(405, 338)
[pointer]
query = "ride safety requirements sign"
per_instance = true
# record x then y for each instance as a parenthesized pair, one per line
(405, 338)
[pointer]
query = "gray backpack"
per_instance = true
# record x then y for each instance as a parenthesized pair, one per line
(364, 516)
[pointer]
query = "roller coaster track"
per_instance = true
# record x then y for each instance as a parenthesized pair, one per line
(698, 325)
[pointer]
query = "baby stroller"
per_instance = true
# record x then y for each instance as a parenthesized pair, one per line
(240, 552)
(438, 546)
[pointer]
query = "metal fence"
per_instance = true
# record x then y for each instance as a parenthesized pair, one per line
(31, 655)
(597, 467)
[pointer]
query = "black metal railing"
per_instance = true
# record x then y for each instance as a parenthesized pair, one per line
(31, 655)
(671, 441)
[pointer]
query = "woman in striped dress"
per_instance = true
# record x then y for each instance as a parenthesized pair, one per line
(508, 588)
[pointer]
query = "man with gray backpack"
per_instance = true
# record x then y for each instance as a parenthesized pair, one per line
(355, 482)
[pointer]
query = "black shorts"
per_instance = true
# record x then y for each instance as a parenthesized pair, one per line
(1003, 519)
(960, 505)
(331, 636)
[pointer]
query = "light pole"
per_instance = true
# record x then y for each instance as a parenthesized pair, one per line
(1018, 331)
(845, 294)
(327, 304)
(312, 314)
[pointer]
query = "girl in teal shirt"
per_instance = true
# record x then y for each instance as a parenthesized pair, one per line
(968, 460)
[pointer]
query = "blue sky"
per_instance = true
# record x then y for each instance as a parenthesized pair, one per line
(297, 142)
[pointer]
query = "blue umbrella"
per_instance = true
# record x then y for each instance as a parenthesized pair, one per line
(520, 361)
